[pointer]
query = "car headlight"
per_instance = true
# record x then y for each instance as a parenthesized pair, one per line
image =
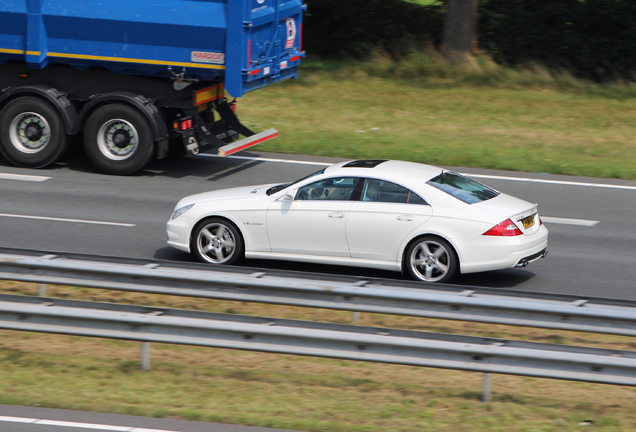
(181, 210)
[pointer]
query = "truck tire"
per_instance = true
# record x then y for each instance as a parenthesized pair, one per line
(32, 133)
(118, 139)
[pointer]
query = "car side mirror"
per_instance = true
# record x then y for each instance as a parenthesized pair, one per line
(289, 196)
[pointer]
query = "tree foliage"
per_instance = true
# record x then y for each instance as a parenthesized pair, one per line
(593, 39)
(355, 28)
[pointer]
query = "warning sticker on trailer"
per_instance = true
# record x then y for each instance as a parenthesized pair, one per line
(207, 57)
(291, 32)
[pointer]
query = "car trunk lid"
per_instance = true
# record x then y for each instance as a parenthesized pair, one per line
(522, 213)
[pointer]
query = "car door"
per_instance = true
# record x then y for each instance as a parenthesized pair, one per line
(314, 222)
(384, 216)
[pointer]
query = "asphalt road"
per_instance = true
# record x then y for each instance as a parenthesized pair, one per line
(71, 207)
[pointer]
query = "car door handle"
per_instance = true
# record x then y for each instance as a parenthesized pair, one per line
(337, 215)
(406, 218)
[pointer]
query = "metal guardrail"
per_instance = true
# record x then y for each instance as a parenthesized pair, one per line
(151, 324)
(487, 305)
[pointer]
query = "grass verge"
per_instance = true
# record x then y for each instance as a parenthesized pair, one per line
(476, 115)
(293, 392)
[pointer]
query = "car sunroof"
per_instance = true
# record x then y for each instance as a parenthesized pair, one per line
(367, 163)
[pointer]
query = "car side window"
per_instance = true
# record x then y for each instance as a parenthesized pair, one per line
(333, 189)
(385, 191)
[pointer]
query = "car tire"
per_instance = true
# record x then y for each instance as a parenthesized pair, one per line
(118, 139)
(32, 133)
(431, 259)
(217, 241)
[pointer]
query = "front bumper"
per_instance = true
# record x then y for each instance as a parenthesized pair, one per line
(178, 231)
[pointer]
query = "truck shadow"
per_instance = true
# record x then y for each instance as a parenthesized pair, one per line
(174, 166)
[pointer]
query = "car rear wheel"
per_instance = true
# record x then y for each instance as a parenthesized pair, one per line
(217, 241)
(431, 259)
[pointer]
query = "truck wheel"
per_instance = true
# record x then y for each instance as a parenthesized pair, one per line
(32, 133)
(118, 139)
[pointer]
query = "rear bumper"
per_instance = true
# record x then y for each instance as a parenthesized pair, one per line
(498, 253)
(532, 258)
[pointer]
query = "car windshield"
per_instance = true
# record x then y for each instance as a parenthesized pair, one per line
(282, 186)
(462, 188)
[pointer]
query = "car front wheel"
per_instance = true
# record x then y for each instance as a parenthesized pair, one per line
(431, 259)
(217, 241)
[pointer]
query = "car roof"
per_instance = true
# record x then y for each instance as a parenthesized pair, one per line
(366, 167)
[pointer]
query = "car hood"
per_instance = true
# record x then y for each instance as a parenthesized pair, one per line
(243, 192)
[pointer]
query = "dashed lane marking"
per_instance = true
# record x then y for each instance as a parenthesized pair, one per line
(66, 220)
(566, 221)
(22, 177)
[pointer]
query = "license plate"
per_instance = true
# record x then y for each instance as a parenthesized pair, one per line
(528, 222)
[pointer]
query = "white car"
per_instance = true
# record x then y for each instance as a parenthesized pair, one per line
(392, 215)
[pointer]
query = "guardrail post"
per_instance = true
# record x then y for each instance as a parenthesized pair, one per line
(485, 394)
(42, 290)
(145, 355)
(355, 317)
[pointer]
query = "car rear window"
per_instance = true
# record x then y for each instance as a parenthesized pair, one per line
(462, 188)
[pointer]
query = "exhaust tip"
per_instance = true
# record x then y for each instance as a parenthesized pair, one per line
(532, 258)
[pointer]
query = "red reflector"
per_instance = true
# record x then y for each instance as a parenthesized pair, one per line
(186, 124)
(506, 228)
(233, 106)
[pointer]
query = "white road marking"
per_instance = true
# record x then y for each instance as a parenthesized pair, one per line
(558, 182)
(83, 425)
(66, 220)
(486, 176)
(17, 419)
(566, 221)
(79, 425)
(22, 177)
(289, 161)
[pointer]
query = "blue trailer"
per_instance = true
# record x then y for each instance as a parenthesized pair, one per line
(133, 76)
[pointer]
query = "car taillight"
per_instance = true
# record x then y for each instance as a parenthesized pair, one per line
(505, 228)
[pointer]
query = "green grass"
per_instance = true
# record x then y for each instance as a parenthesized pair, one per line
(477, 115)
(425, 2)
(293, 392)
